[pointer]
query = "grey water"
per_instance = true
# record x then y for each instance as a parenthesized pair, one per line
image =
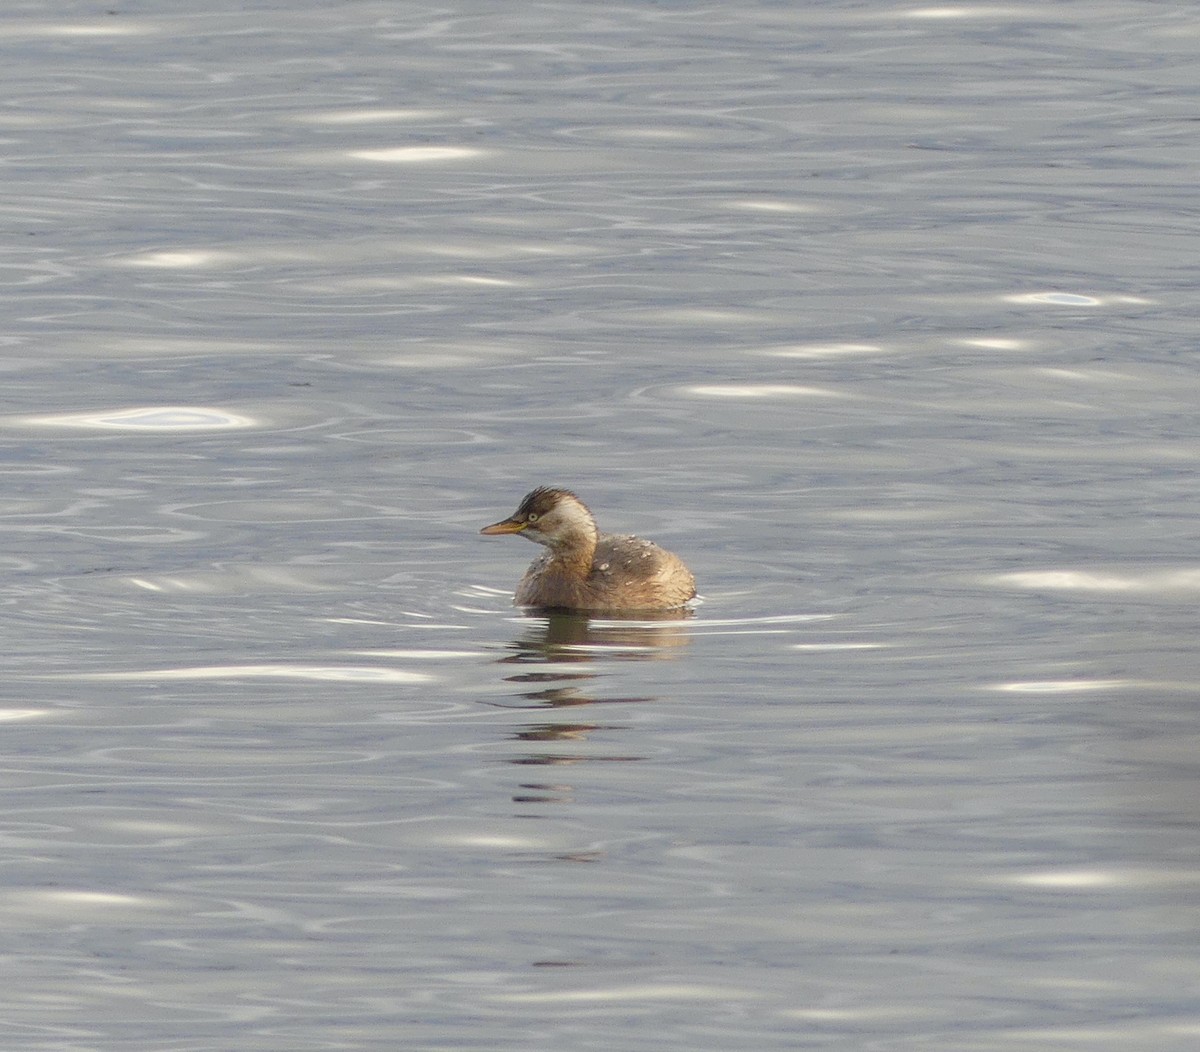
(881, 315)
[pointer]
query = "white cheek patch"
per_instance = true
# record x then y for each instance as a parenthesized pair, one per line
(532, 533)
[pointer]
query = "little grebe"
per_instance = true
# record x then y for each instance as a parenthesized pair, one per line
(585, 569)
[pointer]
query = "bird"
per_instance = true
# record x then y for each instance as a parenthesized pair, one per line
(584, 570)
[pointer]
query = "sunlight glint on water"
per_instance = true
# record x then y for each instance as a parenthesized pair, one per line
(879, 316)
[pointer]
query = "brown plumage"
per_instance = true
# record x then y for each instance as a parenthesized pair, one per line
(584, 569)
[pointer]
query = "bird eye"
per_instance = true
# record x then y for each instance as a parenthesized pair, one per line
(532, 517)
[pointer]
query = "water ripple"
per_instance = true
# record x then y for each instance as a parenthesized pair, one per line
(331, 673)
(147, 419)
(1184, 580)
(417, 154)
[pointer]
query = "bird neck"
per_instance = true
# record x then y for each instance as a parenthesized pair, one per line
(574, 547)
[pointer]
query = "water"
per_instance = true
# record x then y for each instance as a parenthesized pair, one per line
(881, 316)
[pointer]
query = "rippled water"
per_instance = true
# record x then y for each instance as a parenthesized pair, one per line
(881, 316)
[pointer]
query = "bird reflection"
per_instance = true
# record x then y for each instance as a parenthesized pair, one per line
(557, 732)
(552, 647)
(555, 640)
(561, 638)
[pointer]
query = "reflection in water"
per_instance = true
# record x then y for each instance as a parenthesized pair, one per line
(558, 732)
(575, 639)
(558, 697)
(566, 646)
(543, 793)
(561, 637)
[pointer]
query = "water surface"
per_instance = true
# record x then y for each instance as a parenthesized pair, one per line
(881, 316)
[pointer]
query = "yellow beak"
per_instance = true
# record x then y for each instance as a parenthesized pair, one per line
(504, 526)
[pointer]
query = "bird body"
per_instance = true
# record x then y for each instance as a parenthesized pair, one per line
(586, 570)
